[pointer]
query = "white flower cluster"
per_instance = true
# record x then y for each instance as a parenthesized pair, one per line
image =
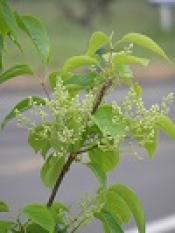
(24, 121)
(67, 117)
(166, 102)
(88, 207)
(142, 121)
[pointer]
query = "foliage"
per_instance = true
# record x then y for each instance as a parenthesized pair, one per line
(77, 125)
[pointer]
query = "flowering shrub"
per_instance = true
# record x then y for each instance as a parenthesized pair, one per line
(78, 125)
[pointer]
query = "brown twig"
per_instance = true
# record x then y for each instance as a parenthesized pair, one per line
(65, 169)
(101, 95)
(86, 149)
(45, 90)
(72, 157)
(43, 86)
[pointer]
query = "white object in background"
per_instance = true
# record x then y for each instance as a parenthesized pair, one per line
(165, 12)
(159, 226)
(165, 17)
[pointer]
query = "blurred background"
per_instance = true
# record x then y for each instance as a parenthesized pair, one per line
(69, 24)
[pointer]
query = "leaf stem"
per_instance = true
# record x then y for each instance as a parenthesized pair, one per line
(65, 169)
(45, 89)
(87, 149)
(80, 223)
(100, 95)
(43, 86)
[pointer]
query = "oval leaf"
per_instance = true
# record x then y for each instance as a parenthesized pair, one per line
(37, 33)
(7, 20)
(5, 226)
(103, 118)
(21, 107)
(133, 203)
(14, 71)
(51, 169)
(118, 207)
(3, 207)
(31, 228)
(40, 215)
(110, 224)
(58, 210)
(77, 62)
(38, 139)
(53, 77)
(125, 59)
(167, 125)
(97, 41)
(82, 81)
(99, 173)
(106, 160)
(145, 42)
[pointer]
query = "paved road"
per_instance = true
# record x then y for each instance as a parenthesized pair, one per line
(154, 181)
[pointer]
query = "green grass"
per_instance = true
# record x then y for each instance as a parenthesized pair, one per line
(68, 38)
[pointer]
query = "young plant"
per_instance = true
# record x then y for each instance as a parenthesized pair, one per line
(78, 125)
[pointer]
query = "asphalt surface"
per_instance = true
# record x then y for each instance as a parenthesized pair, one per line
(153, 180)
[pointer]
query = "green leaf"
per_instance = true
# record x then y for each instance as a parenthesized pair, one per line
(96, 42)
(4, 29)
(133, 203)
(125, 74)
(14, 71)
(99, 173)
(137, 89)
(125, 59)
(58, 211)
(145, 42)
(51, 169)
(124, 71)
(118, 207)
(1, 51)
(106, 160)
(40, 215)
(8, 25)
(82, 81)
(21, 107)
(167, 125)
(110, 224)
(146, 137)
(5, 226)
(53, 79)
(39, 139)
(37, 33)
(76, 62)
(151, 146)
(3, 207)
(103, 118)
(35, 228)
(55, 141)
(7, 20)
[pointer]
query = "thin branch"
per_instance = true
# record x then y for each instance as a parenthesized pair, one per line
(43, 86)
(101, 95)
(87, 149)
(80, 223)
(77, 220)
(73, 156)
(45, 90)
(65, 169)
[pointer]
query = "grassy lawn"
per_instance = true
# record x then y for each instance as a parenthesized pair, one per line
(68, 38)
